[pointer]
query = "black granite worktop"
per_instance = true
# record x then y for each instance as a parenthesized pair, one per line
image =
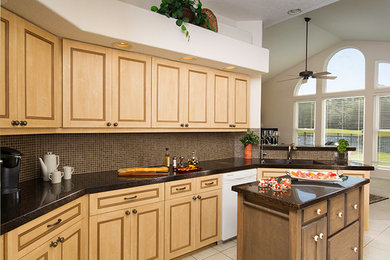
(38, 197)
(302, 193)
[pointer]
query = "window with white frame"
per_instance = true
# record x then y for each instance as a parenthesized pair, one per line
(383, 74)
(308, 88)
(349, 66)
(344, 119)
(383, 131)
(305, 123)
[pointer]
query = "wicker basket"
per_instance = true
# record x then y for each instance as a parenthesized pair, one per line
(212, 18)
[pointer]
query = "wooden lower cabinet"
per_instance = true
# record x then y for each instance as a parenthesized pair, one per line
(71, 244)
(314, 237)
(192, 222)
(135, 233)
(1, 247)
(345, 245)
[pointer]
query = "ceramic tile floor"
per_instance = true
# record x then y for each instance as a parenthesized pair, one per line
(376, 240)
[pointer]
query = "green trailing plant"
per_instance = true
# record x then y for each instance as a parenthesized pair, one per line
(250, 138)
(342, 147)
(174, 9)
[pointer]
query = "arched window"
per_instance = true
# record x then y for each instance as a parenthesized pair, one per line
(309, 88)
(349, 67)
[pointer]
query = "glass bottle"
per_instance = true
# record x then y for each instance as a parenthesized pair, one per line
(167, 160)
(193, 160)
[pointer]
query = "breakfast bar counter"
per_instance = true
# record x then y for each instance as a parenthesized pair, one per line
(312, 220)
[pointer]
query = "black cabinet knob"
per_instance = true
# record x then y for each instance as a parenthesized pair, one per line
(186, 125)
(23, 123)
(115, 124)
(61, 239)
(108, 124)
(199, 197)
(135, 211)
(127, 212)
(15, 122)
(194, 198)
(53, 244)
(182, 125)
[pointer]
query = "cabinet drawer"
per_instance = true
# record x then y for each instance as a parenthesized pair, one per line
(31, 235)
(315, 211)
(266, 173)
(121, 199)
(345, 245)
(178, 189)
(208, 183)
(352, 206)
(336, 213)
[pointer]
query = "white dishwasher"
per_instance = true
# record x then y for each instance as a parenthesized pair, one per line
(229, 200)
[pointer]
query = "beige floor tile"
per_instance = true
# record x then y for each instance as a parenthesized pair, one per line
(231, 252)
(187, 258)
(218, 256)
(375, 253)
(203, 254)
(224, 246)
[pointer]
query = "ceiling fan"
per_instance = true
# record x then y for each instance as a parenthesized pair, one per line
(303, 76)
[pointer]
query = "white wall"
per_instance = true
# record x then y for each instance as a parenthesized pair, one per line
(278, 100)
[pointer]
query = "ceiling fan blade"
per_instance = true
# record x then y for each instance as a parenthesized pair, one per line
(288, 79)
(326, 77)
(321, 73)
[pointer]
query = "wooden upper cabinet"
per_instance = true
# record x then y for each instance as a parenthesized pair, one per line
(39, 76)
(132, 90)
(8, 78)
(240, 96)
(221, 102)
(168, 93)
(197, 97)
(86, 85)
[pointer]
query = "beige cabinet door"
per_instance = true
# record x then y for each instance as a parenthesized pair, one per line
(109, 236)
(39, 77)
(131, 85)
(312, 249)
(86, 85)
(73, 242)
(208, 218)
(8, 70)
(179, 226)
(1, 247)
(197, 101)
(240, 88)
(47, 251)
(167, 94)
(220, 100)
(147, 225)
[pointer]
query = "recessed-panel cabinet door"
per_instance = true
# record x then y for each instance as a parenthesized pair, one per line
(39, 81)
(8, 79)
(75, 242)
(240, 96)
(148, 232)
(45, 252)
(208, 218)
(221, 100)
(167, 84)
(197, 106)
(87, 85)
(131, 89)
(179, 227)
(109, 236)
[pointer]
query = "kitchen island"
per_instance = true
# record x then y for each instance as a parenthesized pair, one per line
(311, 221)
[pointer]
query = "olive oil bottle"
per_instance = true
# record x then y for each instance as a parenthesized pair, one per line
(167, 159)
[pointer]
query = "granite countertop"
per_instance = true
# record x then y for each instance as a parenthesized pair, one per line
(302, 193)
(306, 148)
(38, 197)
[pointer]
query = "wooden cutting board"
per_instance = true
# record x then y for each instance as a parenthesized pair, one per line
(143, 174)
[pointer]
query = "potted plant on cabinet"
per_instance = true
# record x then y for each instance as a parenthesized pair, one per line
(248, 140)
(342, 150)
(185, 11)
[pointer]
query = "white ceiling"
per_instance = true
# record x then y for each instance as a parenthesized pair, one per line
(344, 20)
(269, 11)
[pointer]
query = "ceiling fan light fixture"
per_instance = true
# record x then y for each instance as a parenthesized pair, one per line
(294, 11)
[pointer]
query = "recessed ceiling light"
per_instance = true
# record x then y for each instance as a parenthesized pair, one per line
(229, 68)
(294, 11)
(121, 44)
(188, 58)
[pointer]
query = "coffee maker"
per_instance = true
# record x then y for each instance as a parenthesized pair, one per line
(10, 169)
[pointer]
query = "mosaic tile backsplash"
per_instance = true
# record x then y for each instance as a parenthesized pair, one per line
(101, 152)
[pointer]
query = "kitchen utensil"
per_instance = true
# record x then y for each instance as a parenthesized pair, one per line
(56, 177)
(49, 164)
(68, 171)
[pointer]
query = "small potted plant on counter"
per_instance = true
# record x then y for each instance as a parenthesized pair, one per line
(342, 150)
(247, 140)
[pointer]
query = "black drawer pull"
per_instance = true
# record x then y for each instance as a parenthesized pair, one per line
(131, 198)
(209, 183)
(181, 188)
(55, 224)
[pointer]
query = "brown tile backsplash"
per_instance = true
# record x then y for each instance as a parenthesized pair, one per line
(100, 152)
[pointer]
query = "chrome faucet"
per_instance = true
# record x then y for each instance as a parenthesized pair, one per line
(262, 153)
(291, 148)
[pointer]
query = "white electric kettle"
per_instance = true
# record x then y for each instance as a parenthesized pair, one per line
(49, 164)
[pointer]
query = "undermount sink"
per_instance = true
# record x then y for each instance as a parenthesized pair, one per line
(297, 162)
